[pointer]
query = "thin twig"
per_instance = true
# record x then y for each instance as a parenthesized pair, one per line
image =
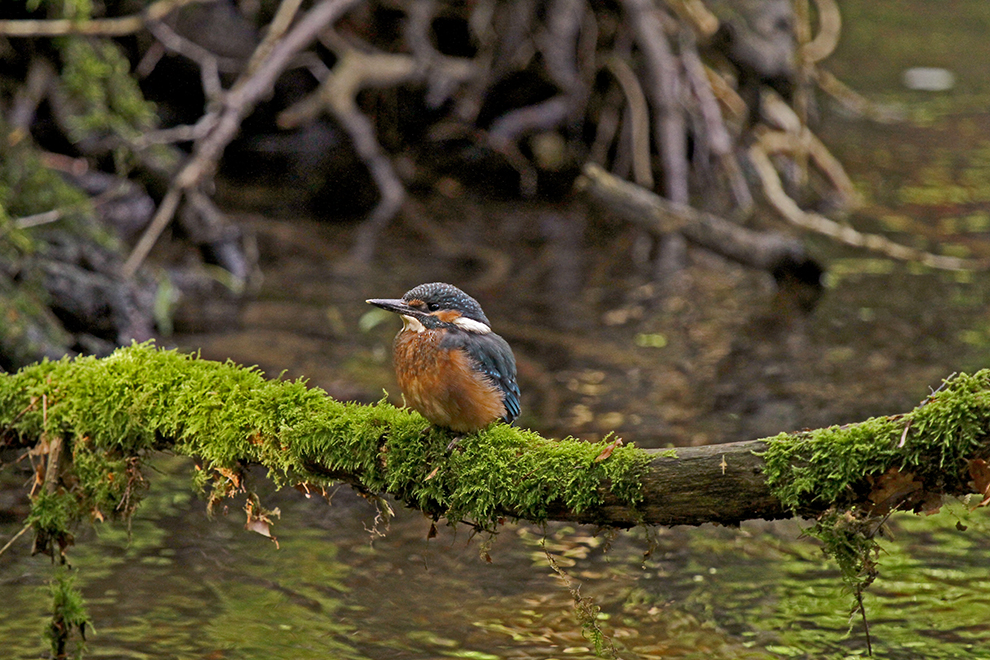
(15, 537)
(802, 86)
(356, 70)
(242, 97)
(719, 140)
(164, 215)
(175, 134)
(209, 63)
(704, 22)
(287, 11)
(866, 624)
(21, 115)
(100, 27)
(829, 27)
(855, 102)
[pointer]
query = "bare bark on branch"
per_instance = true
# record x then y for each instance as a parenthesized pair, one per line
(722, 484)
(106, 27)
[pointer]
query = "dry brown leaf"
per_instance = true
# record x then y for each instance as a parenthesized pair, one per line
(231, 475)
(609, 448)
(892, 488)
(260, 521)
(259, 527)
(980, 472)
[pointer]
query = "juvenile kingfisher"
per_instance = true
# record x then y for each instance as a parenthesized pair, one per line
(450, 366)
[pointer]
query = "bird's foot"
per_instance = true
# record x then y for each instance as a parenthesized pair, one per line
(456, 440)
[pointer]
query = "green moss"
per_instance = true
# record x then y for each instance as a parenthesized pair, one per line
(52, 513)
(68, 613)
(109, 482)
(934, 442)
(113, 410)
(28, 187)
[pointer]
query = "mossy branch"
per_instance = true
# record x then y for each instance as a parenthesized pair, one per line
(111, 412)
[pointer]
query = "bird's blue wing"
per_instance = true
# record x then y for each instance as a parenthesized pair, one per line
(493, 357)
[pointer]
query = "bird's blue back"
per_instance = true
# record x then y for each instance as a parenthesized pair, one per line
(492, 357)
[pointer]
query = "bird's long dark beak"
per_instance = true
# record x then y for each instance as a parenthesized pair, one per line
(397, 305)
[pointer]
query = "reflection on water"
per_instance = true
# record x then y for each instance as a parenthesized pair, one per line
(186, 586)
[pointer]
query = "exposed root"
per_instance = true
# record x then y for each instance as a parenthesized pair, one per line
(789, 209)
(678, 89)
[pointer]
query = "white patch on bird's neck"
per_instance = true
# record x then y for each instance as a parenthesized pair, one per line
(412, 324)
(464, 323)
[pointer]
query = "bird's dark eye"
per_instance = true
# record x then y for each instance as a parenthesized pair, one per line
(432, 306)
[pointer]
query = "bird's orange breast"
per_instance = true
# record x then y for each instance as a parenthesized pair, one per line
(443, 385)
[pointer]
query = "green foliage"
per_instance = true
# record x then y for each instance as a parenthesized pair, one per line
(28, 187)
(113, 410)
(97, 76)
(111, 483)
(68, 613)
(51, 515)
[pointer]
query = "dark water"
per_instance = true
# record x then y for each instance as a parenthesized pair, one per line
(716, 360)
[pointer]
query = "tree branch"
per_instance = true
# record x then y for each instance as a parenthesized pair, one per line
(105, 27)
(237, 103)
(112, 411)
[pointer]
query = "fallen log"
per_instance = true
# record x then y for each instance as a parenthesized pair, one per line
(781, 255)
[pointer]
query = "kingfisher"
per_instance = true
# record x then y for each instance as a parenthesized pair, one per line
(451, 367)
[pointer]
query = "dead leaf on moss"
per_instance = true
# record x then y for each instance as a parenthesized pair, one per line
(258, 526)
(931, 504)
(232, 476)
(609, 448)
(891, 489)
(980, 472)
